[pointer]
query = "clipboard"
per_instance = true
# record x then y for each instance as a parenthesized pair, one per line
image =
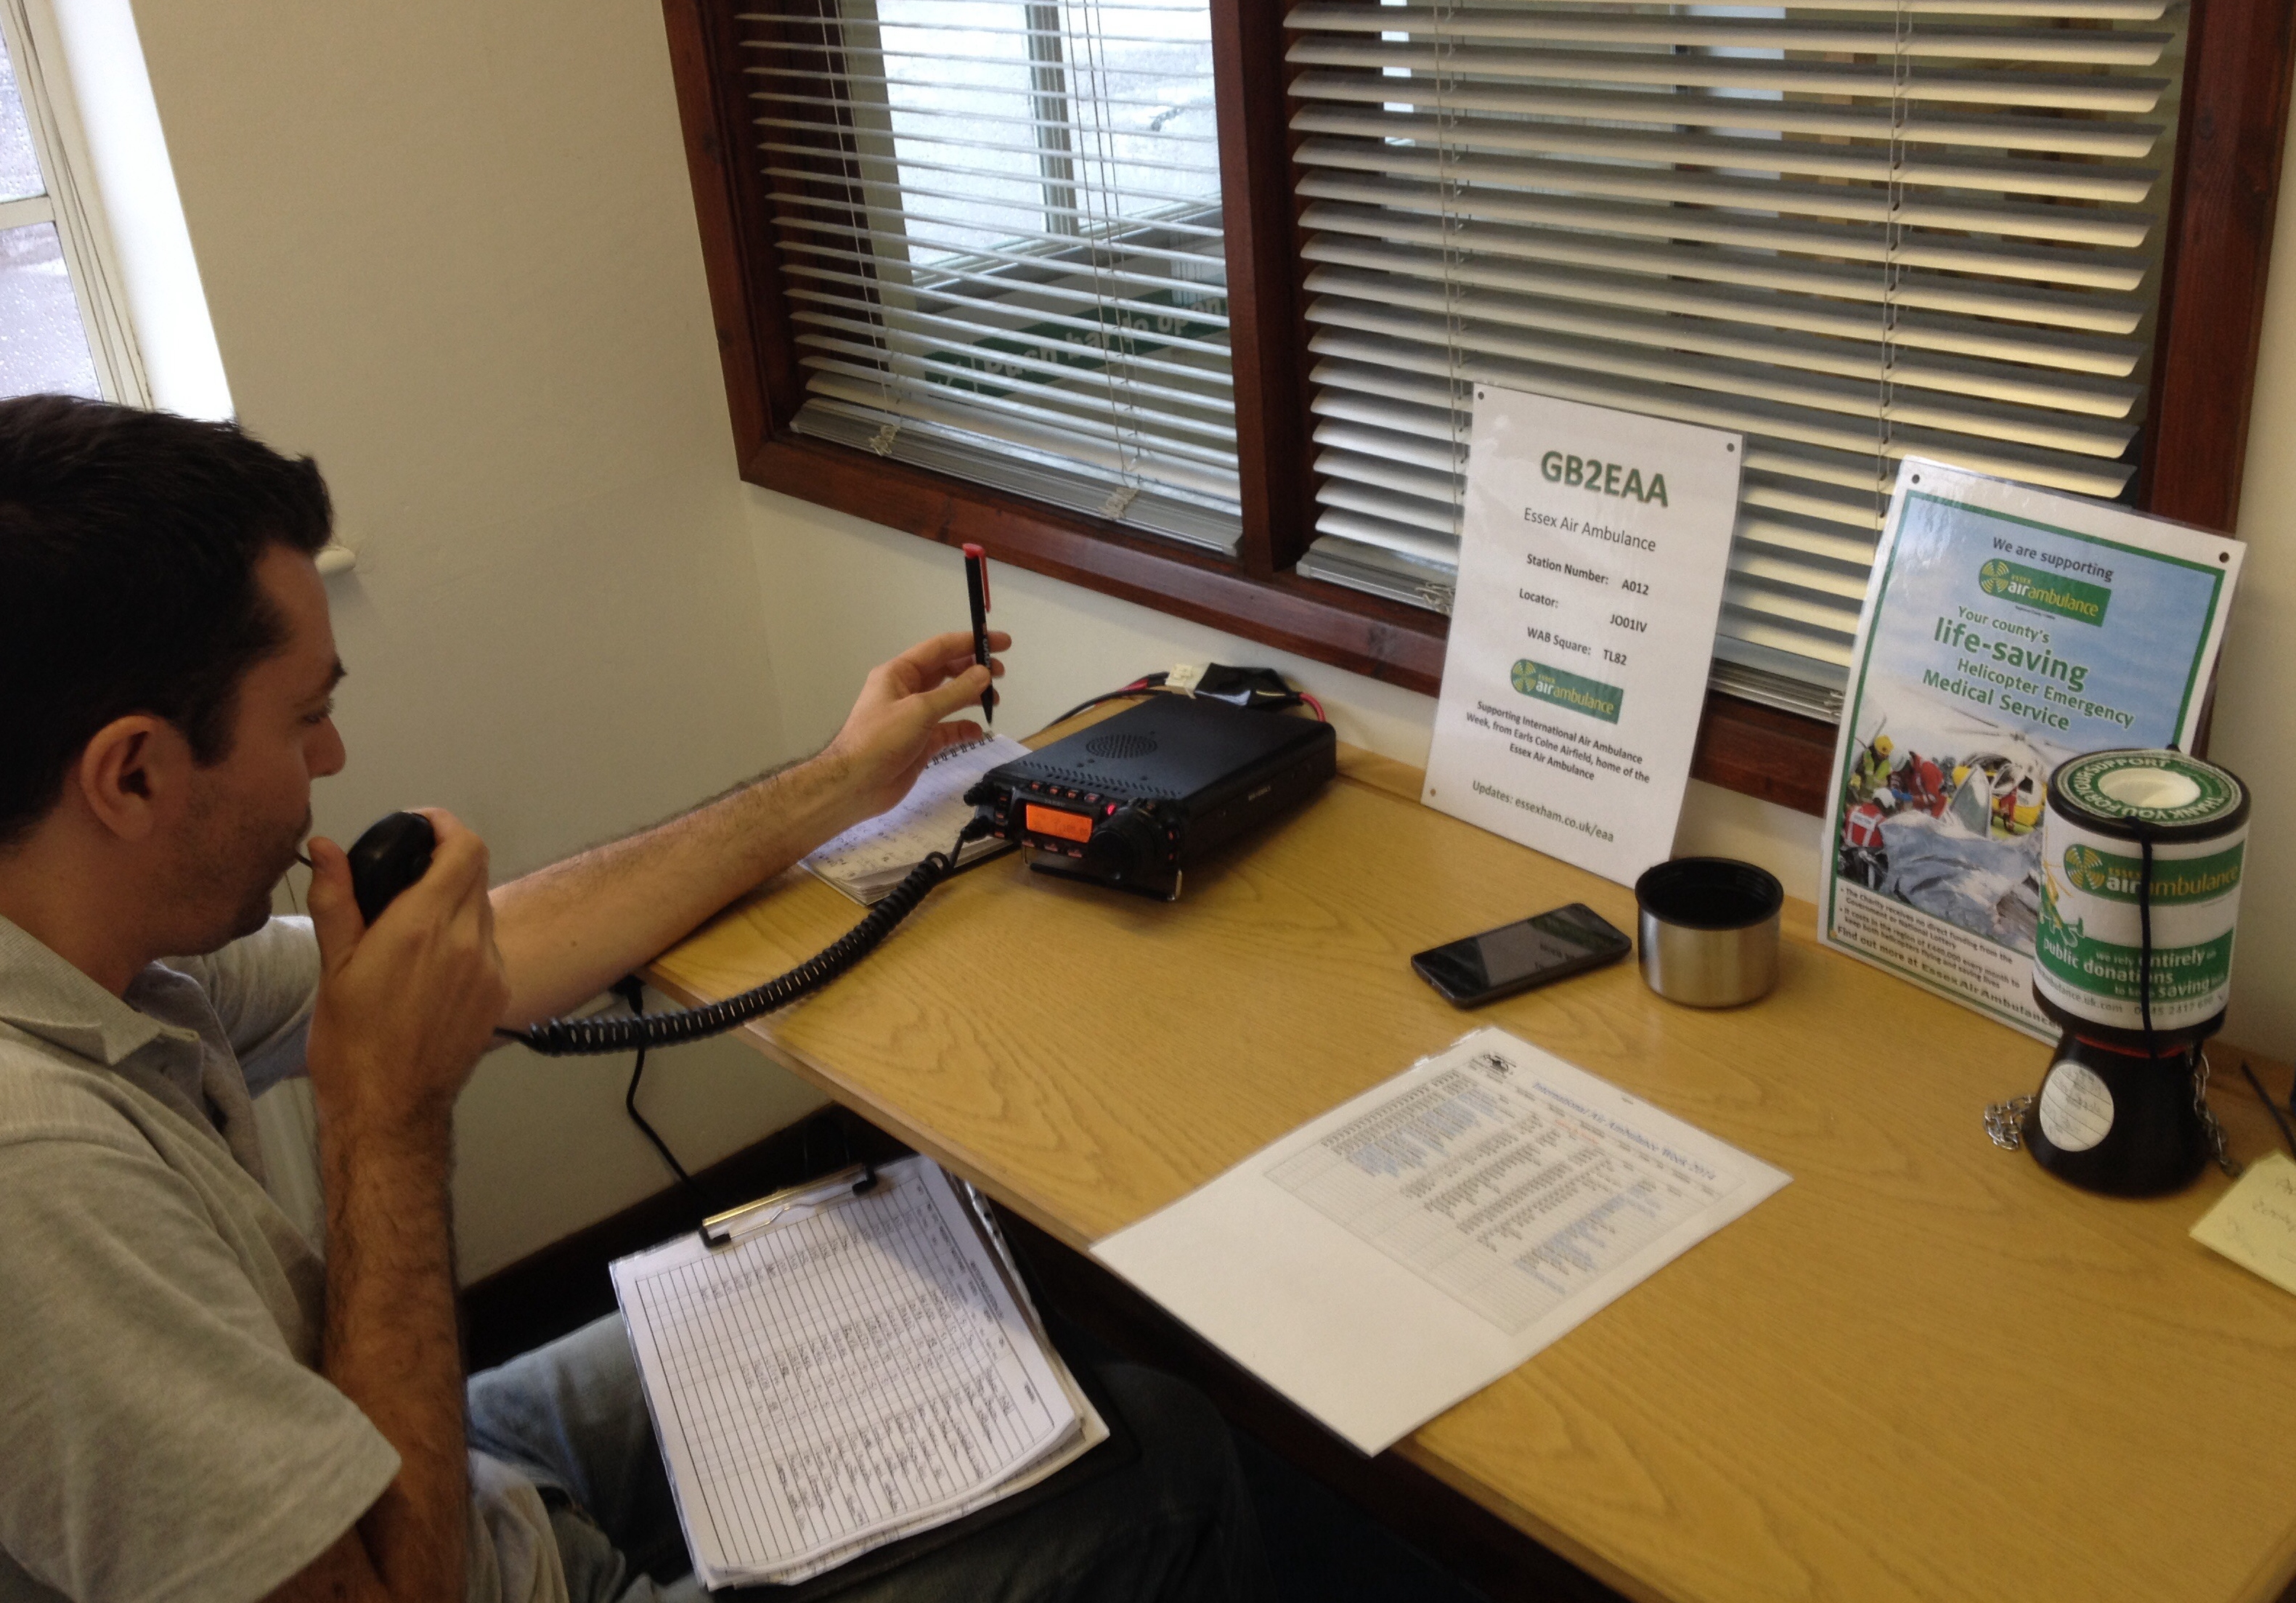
(790, 1203)
(749, 1344)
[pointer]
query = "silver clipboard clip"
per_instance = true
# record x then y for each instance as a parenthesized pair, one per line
(798, 1202)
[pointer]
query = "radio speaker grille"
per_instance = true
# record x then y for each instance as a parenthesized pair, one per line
(1121, 745)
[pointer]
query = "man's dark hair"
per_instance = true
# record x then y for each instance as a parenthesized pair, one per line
(129, 543)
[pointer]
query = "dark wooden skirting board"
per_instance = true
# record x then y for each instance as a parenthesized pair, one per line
(566, 1285)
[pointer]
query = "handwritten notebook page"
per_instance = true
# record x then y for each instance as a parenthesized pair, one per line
(876, 855)
(826, 1386)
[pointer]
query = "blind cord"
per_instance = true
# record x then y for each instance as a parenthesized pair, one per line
(1893, 231)
(1462, 395)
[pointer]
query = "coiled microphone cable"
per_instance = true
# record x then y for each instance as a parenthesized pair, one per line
(594, 1037)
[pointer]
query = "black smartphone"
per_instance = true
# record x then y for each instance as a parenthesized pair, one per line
(1515, 957)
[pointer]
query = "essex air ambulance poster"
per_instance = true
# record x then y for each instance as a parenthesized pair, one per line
(2006, 629)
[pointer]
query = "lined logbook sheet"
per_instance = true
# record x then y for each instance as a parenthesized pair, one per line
(824, 1386)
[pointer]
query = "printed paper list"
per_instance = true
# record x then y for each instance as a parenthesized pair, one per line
(1499, 1189)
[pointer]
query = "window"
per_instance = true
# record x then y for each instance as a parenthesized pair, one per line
(1002, 248)
(61, 328)
(966, 286)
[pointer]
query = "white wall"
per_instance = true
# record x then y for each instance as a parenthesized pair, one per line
(449, 250)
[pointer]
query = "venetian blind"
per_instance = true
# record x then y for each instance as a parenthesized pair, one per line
(999, 230)
(1855, 232)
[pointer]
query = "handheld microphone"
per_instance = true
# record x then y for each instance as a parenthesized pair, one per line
(393, 853)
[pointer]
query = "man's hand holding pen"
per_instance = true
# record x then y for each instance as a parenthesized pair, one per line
(896, 726)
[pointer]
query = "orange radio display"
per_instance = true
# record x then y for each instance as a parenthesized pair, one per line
(1058, 821)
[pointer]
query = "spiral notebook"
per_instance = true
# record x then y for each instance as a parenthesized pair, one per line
(830, 1370)
(871, 858)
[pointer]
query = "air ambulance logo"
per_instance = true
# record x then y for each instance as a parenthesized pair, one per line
(2087, 869)
(1993, 578)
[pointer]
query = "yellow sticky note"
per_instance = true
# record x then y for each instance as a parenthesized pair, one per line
(2254, 1223)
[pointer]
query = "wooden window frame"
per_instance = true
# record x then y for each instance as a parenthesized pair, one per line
(2226, 174)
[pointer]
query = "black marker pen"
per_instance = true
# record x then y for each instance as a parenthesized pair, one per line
(976, 585)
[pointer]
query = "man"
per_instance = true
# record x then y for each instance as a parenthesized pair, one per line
(192, 1404)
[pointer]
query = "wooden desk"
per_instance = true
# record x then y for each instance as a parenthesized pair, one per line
(1925, 1369)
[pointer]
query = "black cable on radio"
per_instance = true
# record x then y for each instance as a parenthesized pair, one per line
(592, 1037)
(1148, 685)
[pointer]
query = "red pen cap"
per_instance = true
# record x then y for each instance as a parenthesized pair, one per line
(979, 553)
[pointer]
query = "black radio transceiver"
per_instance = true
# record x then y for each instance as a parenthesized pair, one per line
(1135, 798)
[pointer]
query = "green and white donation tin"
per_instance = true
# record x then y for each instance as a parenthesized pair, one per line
(2088, 952)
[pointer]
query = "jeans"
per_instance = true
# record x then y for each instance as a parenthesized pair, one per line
(1175, 1525)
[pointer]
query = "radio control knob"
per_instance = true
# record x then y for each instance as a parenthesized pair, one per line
(1124, 844)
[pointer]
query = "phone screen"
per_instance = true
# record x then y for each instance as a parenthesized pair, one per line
(1514, 956)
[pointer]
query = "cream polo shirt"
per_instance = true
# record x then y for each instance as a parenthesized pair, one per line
(165, 1433)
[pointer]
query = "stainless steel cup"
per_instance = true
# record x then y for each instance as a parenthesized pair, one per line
(1710, 930)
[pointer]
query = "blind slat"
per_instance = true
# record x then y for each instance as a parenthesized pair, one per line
(869, 83)
(2118, 229)
(1084, 408)
(1058, 249)
(1689, 29)
(1032, 184)
(1063, 126)
(1769, 309)
(1410, 512)
(937, 281)
(902, 197)
(1391, 366)
(1436, 454)
(1860, 355)
(1390, 536)
(909, 144)
(1801, 607)
(973, 27)
(1784, 534)
(994, 319)
(1020, 65)
(1436, 488)
(2113, 270)
(1800, 388)
(1832, 648)
(908, 359)
(2115, 138)
(1411, 426)
(2070, 92)
(1052, 433)
(1823, 503)
(1500, 246)
(2117, 185)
